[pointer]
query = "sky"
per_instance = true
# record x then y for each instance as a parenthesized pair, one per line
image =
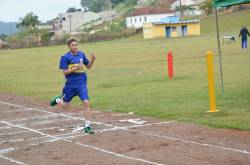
(12, 10)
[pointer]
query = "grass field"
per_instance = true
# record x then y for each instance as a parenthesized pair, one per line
(130, 75)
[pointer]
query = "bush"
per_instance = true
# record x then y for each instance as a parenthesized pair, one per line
(45, 36)
(118, 26)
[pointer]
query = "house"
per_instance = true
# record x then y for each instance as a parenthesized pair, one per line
(140, 16)
(71, 22)
(171, 27)
(190, 7)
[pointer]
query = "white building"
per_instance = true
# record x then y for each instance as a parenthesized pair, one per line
(71, 22)
(146, 15)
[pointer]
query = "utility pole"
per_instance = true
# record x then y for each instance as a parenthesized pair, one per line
(11, 30)
(70, 16)
(110, 11)
(181, 13)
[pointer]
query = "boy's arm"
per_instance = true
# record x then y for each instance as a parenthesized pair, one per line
(240, 33)
(91, 62)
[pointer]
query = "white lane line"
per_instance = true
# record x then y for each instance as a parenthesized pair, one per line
(78, 126)
(6, 150)
(66, 136)
(151, 124)
(191, 142)
(12, 160)
(117, 154)
(84, 145)
(77, 118)
(17, 110)
(40, 129)
(159, 136)
(15, 105)
(60, 114)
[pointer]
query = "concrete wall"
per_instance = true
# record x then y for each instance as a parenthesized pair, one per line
(73, 21)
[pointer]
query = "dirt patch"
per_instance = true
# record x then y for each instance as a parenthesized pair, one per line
(31, 132)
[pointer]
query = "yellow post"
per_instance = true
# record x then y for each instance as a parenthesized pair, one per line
(211, 89)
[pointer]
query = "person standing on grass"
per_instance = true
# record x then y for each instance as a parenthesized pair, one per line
(244, 33)
(74, 64)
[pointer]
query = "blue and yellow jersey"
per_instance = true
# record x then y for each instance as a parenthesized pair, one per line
(79, 77)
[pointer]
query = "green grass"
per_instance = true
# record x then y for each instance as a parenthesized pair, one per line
(130, 75)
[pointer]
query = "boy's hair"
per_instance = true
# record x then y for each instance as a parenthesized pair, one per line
(71, 39)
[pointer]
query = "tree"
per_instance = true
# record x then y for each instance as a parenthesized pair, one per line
(95, 5)
(207, 6)
(29, 21)
(72, 10)
(131, 2)
(45, 36)
(100, 5)
(3, 36)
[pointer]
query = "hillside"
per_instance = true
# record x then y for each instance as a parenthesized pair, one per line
(228, 23)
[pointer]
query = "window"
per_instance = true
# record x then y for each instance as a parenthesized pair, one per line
(131, 20)
(145, 19)
(140, 19)
(135, 20)
(63, 18)
(173, 27)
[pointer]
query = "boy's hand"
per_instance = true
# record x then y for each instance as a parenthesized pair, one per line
(92, 56)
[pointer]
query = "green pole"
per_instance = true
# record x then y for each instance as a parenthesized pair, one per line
(219, 50)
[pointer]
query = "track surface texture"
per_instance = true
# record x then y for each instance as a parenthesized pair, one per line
(33, 133)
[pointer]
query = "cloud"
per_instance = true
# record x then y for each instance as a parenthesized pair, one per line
(12, 10)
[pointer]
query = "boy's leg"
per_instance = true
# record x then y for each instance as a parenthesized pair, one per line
(244, 43)
(62, 104)
(67, 95)
(88, 117)
(83, 94)
(87, 112)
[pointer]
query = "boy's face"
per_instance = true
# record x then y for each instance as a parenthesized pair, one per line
(73, 46)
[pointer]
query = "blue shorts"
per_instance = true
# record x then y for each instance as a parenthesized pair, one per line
(69, 93)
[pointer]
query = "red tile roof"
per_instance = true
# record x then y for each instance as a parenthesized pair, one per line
(149, 11)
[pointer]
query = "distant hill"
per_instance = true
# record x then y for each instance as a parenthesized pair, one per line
(7, 27)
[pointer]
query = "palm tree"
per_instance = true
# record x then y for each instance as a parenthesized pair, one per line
(29, 21)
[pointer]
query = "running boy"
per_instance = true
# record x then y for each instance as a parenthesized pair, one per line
(73, 65)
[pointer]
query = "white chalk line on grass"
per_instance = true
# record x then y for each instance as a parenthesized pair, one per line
(84, 145)
(159, 136)
(12, 160)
